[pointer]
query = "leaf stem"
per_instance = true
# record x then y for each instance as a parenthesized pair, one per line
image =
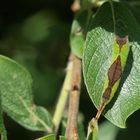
(63, 96)
(71, 130)
(113, 15)
(93, 124)
(92, 129)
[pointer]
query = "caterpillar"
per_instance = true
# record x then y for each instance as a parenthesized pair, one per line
(120, 52)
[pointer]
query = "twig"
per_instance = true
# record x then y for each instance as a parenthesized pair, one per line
(71, 130)
(63, 96)
(75, 6)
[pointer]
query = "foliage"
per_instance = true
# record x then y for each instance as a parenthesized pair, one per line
(96, 66)
(34, 50)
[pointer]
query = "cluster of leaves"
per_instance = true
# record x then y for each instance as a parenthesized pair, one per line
(91, 39)
(97, 40)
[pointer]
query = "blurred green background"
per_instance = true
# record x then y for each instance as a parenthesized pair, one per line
(35, 33)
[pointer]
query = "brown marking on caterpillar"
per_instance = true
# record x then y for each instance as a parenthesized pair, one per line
(121, 41)
(115, 71)
(114, 74)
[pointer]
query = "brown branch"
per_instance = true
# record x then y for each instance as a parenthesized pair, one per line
(71, 130)
(76, 5)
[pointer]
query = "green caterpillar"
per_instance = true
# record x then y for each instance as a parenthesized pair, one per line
(120, 52)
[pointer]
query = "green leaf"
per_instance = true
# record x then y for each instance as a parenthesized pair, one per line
(17, 99)
(77, 37)
(97, 58)
(81, 131)
(37, 27)
(107, 131)
(2, 127)
(134, 5)
(48, 137)
(51, 137)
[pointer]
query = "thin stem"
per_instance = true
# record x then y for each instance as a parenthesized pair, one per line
(93, 125)
(92, 129)
(71, 130)
(113, 15)
(63, 96)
